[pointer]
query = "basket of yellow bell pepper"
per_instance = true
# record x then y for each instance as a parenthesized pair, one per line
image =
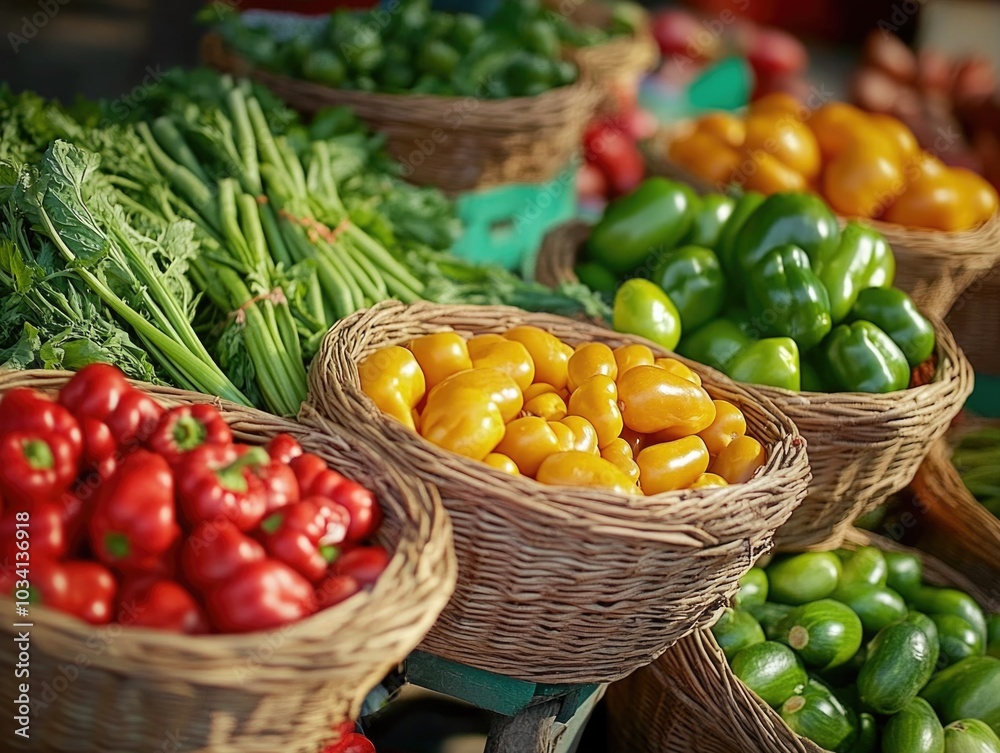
(536, 430)
(942, 222)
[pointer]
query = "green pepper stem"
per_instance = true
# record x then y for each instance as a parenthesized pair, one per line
(189, 433)
(231, 476)
(38, 454)
(117, 545)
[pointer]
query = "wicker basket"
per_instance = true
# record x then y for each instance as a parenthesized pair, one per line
(558, 584)
(975, 320)
(454, 143)
(118, 690)
(862, 447)
(689, 701)
(933, 266)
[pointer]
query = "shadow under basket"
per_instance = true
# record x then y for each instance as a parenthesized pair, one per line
(115, 689)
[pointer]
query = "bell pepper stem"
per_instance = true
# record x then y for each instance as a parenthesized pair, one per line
(272, 523)
(231, 476)
(189, 433)
(329, 552)
(117, 545)
(38, 454)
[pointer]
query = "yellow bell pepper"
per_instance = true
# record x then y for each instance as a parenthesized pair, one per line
(708, 480)
(564, 435)
(728, 424)
(497, 385)
(673, 465)
(549, 406)
(464, 420)
(654, 399)
(584, 434)
(680, 369)
(588, 360)
(527, 442)
(512, 358)
(619, 454)
(549, 353)
(539, 388)
(502, 463)
(739, 460)
(479, 343)
(576, 468)
(440, 355)
(392, 378)
(597, 401)
(629, 356)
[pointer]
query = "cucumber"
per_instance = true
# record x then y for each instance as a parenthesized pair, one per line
(957, 638)
(824, 633)
(770, 615)
(804, 577)
(770, 670)
(867, 734)
(866, 565)
(899, 664)
(736, 630)
(753, 589)
(906, 573)
(951, 601)
(877, 606)
(966, 690)
(816, 713)
(915, 729)
(970, 736)
(926, 624)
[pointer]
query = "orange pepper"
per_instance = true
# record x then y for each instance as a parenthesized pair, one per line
(549, 406)
(440, 355)
(672, 465)
(776, 102)
(729, 423)
(576, 468)
(619, 453)
(706, 155)
(654, 399)
(538, 388)
(708, 480)
(392, 378)
(509, 357)
(935, 201)
(464, 420)
(502, 463)
(739, 460)
(725, 126)
(547, 351)
(897, 132)
(588, 360)
(784, 137)
(865, 178)
(498, 385)
(836, 126)
(629, 356)
(584, 434)
(680, 369)
(977, 193)
(597, 401)
(766, 173)
(527, 442)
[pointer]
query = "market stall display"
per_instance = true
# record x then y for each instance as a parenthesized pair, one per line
(588, 560)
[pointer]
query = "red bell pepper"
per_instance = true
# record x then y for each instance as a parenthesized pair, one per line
(156, 602)
(134, 419)
(47, 584)
(306, 535)
(261, 596)
(366, 515)
(221, 482)
(91, 591)
(306, 468)
(134, 521)
(616, 155)
(280, 485)
(215, 552)
(94, 391)
(36, 465)
(43, 538)
(187, 427)
(26, 410)
(283, 448)
(335, 589)
(99, 446)
(351, 743)
(365, 564)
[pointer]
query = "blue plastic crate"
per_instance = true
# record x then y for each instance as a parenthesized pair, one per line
(505, 225)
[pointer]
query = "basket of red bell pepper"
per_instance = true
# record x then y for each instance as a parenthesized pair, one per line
(228, 572)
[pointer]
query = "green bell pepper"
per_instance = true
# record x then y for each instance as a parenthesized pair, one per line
(642, 308)
(859, 357)
(809, 377)
(716, 344)
(725, 246)
(788, 299)
(654, 216)
(708, 217)
(863, 260)
(597, 277)
(893, 312)
(798, 218)
(773, 361)
(693, 279)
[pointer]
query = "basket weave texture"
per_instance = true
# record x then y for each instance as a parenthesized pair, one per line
(454, 143)
(689, 701)
(561, 584)
(933, 266)
(122, 690)
(862, 447)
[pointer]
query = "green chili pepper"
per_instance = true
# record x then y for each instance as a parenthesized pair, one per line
(693, 279)
(797, 218)
(708, 217)
(863, 260)
(716, 344)
(893, 312)
(859, 357)
(773, 361)
(642, 308)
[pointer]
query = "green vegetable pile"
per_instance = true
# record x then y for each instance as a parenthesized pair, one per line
(767, 290)
(857, 654)
(212, 241)
(977, 459)
(408, 48)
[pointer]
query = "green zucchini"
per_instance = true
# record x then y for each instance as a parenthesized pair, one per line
(804, 577)
(771, 670)
(866, 565)
(770, 615)
(915, 729)
(753, 589)
(817, 714)
(970, 736)
(899, 664)
(926, 624)
(966, 690)
(877, 606)
(957, 638)
(867, 734)
(824, 633)
(906, 573)
(736, 630)
(951, 601)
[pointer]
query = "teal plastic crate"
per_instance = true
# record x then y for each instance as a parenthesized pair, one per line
(505, 225)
